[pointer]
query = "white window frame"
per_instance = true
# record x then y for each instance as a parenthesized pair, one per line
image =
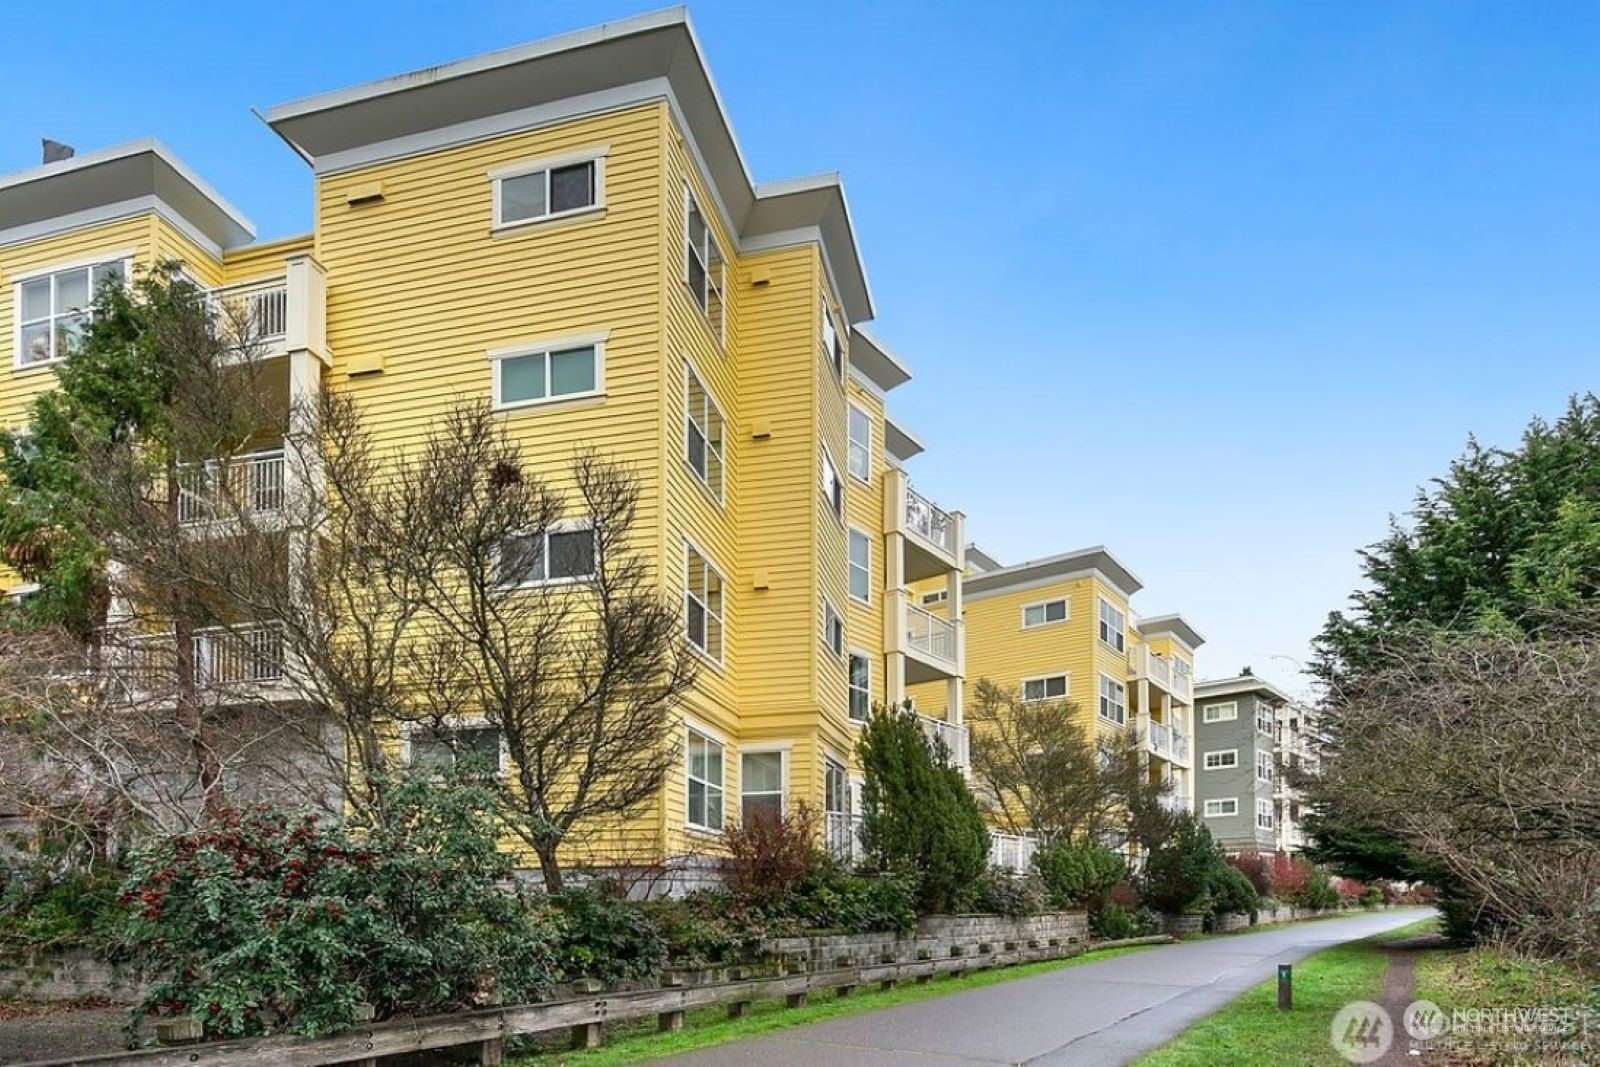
(1101, 703)
(1066, 687)
(938, 596)
(833, 348)
(559, 527)
(1066, 612)
(781, 749)
(1266, 718)
(691, 551)
(547, 348)
(830, 469)
(859, 448)
(1232, 761)
(833, 635)
(1263, 763)
(454, 723)
(497, 177)
(1265, 816)
(853, 689)
(855, 535)
(123, 258)
(1228, 712)
(713, 410)
(703, 257)
(721, 787)
(1120, 644)
(1221, 808)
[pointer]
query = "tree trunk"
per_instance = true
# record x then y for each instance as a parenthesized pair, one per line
(549, 867)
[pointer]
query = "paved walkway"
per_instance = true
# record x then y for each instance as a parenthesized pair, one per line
(1110, 1012)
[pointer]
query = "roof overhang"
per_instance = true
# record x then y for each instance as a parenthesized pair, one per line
(980, 561)
(899, 442)
(1097, 560)
(115, 182)
(604, 67)
(876, 363)
(1244, 683)
(1173, 625)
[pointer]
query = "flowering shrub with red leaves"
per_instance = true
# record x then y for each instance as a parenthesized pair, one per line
(262, 921)
(1291, 878)
(1257, 867)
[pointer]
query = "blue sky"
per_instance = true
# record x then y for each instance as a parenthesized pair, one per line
(1216, 285)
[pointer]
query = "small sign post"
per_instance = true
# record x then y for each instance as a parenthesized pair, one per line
(1285, 987)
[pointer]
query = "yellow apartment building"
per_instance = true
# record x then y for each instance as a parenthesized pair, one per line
(570, 229)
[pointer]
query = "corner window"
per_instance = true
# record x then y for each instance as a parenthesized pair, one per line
(832, 629)
(702, 603)
(54, 309)
(548, 189)
(860, 566)
(860, 687)
(1051, 687)
(1113, 626)
(1221, 759)
(539, 374)
(1044, 613)
(563, 553)
(1264, 819)
(1264, 766)
(760, 786)
(702, 432)
(859, 461)
(1265, 718)
(1218, 808)
(704, 758)
(1220, 712)
(1113, 700)
(474, 746)
(702, 263)
(832, 487)
(832, 342)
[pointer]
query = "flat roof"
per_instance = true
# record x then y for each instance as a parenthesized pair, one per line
(881, 366)
(1175, 625)
(1097, 558)
(1242, 683)
(130, 177)
(898, 441)
(513, 88)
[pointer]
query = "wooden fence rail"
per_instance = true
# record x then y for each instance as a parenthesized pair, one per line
(583, 1016)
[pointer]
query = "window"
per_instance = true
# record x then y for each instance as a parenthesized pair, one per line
(702, 264)
(702, 432)
(702, 601)
(704, 758)
(1113, 626)
(860, 687)
(443, 748)
(835, 787)
(1265, 718)
(53, 309)
(1221, 759)
(562, 553)
(760, 786)
(1264, 819)
(531, 192)
(832, 629)
(832, 343)
(832, 487)
(938, 597)
(1264, 766)
(1044, 613)
(541, 374)
(1218, 808)
(859, 461)
(1051, 687)
(860, 567)
(1220, 712)
(1113, 700)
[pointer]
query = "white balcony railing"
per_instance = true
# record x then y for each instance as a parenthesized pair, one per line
(1011, 851)
(1180, 745)
(952, 734)
(1176, 803)
(1160, 740)
(251, 654)
(842, 835)
(257, 311)
(929, 634)
(1183, 681)
(213, 489)
(930, 522)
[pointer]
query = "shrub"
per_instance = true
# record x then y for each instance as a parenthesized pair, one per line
(1320, 892)
(1231, 893)
(918, 814)
(1111, 923)
(1180, 872)
(1078, 875)
(1290, 875)
(1257, 867)
(1373, 896)
(834, 897)
(1123, 894)
(44, 903)
(1349, 889)
(597, 935)
(1010, 893)
(770, 854)
(708, 928)
(261, 921)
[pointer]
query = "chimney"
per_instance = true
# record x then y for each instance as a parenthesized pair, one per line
(55, 151)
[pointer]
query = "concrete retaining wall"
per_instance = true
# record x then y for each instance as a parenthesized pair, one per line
(65, 974)
(935, 935)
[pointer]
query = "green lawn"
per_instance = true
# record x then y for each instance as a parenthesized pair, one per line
(1252, 1032)
(630, 1042)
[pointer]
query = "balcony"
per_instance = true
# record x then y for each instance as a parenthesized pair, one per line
(1168, 742)
(931, 645)
(218, 490)
(954, 736)
(256, 314)
(251, 656)
(932, 534)
(1172, 676)
(841, 832)
(1176, 803)
(1011, 851)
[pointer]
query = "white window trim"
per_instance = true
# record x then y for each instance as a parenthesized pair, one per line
(1263, 758)
(1266, 816)
(719, 493)
(596, 155)
(865, 479)
(844, 504)
(782, 748)
(850, 564)
(1207, 765)
(838, 363)
(722, 616)
(1120, 645)
(1222, 811)
(938, 596)
(560, 526)
(1100, 696)
(1066, 603)
(851, 689)
(457, 722)
(1231, 708)
(596, 340)
(827, 641)
(720, 332)
(124, 256)
(1065, 676)
(721, 742)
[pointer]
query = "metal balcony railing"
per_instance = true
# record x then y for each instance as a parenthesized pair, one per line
(842, 835)
(1011, 851)
(929, 634)
(252, 654)
(214, 489)
(952, 734)
(930, 522)
(257, 311)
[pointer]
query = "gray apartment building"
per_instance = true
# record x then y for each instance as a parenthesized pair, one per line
(1235, 760)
